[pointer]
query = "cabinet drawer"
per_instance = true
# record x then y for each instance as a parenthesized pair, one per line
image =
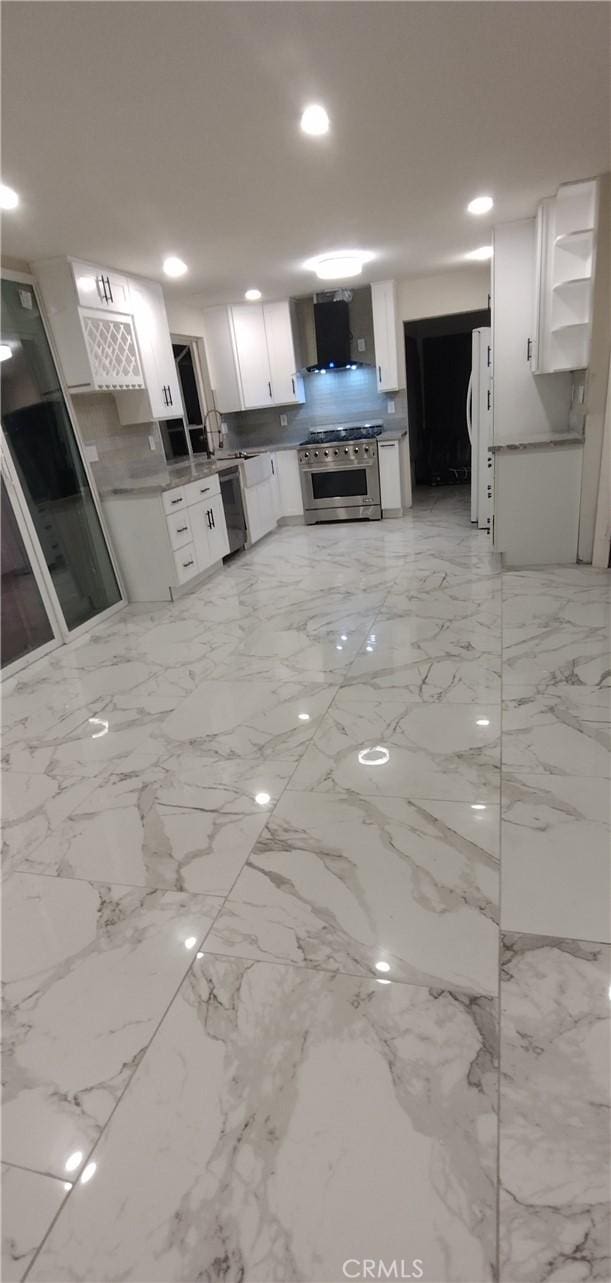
(198, 491)
(179, 528)
(174, 499)
(186, 562)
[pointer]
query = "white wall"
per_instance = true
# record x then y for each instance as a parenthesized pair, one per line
(462, 290)
(598, 373)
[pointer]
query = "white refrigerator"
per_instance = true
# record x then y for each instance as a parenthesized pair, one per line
(479, 427)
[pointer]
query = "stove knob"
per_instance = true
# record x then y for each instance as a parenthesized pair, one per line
(316, 454)
(306, 454)
(366, 449)
(356, 449)
(345, 449)
(326, 454)
(336, 451)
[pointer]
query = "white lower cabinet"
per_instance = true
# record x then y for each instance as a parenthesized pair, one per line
(290, 499)
(207, 520)
(259, 502)
(390, 476)
(166, 539)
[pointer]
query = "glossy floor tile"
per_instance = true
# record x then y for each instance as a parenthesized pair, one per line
(272, 1104)
(30, 1203)
(260, 845)
(556, 843)
(555, 1220)
(363, 884)
(88, 972)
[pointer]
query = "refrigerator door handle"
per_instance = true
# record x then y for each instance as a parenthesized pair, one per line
(469, 407)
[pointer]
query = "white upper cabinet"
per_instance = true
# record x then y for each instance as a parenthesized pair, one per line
(96, 339)
(564, 283)
(251, 356)
(523, 406)
(100, 287)
(160, 397)
(388, 337)
(287, 384)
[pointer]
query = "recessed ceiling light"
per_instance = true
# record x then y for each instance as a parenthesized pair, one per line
(253, 295)
(480, 205)
(174, 266)
(315, 120)
(338, 264)
(8, 198)
(484, 251)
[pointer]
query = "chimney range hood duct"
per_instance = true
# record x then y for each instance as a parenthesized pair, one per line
(332, 328)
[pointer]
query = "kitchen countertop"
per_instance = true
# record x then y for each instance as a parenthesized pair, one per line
(540, 443)
(167, 476)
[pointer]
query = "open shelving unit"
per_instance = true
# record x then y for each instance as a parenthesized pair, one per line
(572, 275)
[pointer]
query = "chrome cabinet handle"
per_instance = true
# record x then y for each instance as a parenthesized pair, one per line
(269, 388)
(379, 374)
(186, 564)
(180, 530)
(173, 501)
(293, 385)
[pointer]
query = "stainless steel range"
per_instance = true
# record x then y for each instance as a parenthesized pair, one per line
(340, 478)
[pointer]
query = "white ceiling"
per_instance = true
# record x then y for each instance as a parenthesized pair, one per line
(133, 130)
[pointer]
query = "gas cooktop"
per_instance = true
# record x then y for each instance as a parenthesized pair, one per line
(363, 433)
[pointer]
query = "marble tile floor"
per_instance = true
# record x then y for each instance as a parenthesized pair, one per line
(307, 941)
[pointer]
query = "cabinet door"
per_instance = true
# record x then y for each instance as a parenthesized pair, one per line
(218, 542)
(390, 475)
(289, 484)
(221, 359)
(155, 345)
(287, 384)
(524, 406)
(199, 518)
(101, 287)
(251, 355)
(386, 335)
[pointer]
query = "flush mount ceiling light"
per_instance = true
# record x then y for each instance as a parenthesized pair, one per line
(253, 296)
(484, 251)
(480, 205)
(338, 264)
(315, 120)
(174, 266)
(8, 198)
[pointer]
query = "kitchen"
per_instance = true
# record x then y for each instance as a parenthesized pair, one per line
(306, 432)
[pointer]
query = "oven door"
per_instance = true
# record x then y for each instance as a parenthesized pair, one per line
(339, 486)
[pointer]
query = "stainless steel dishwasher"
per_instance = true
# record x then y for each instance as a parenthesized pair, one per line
(231, 492)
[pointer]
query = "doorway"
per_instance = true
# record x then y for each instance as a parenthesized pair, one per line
(438, 365)
(183, 438)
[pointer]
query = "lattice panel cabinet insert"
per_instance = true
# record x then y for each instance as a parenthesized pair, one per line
(113, 351)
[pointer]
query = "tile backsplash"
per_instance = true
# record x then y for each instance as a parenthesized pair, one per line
(121, 450)
(342, 396)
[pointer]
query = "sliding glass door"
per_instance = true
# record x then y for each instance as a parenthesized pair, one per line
(26, 621)
(48, 469)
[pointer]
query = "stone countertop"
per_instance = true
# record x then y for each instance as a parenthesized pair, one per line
(388, 434)
(540, 443)
(166, 476)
